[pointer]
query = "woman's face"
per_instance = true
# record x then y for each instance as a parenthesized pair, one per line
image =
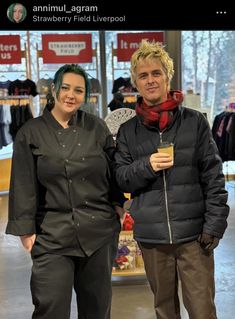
(17, 12)
(71, 94)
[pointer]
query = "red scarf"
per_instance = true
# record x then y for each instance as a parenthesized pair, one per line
(159, 115)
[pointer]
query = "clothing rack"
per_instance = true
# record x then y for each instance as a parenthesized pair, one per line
(12, 97)
(223, 134)
(16, 100)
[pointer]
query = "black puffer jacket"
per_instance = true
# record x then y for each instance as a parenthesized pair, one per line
(175, 205)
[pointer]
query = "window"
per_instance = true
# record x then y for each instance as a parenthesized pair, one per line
(208, 64)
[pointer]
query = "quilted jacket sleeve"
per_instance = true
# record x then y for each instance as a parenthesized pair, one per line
(132, 175)
(212, 181)
(22, 195)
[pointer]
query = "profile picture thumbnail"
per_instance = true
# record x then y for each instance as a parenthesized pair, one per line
(16, 12)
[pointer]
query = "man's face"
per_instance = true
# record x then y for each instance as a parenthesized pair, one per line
(151, 81)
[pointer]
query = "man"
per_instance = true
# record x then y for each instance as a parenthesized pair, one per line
(179, 205)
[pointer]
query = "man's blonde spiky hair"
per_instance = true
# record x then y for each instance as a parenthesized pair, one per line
(151, 50)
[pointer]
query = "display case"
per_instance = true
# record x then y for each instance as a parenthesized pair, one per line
(129, 261)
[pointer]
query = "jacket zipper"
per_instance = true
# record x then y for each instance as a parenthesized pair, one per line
(166, 200)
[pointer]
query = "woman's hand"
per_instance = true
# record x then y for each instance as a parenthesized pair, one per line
(28, 241)
(121, 213)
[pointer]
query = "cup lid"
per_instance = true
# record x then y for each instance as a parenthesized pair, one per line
(165, 144)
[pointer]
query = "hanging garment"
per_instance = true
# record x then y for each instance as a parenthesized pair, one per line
(223, 131)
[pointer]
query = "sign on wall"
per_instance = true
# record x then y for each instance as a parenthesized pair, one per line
(128, 43)
(66, 48)
(10, 52)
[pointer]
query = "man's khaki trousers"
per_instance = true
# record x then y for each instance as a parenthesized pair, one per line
(165, 264)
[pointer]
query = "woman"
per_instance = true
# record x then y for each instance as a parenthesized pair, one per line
(17, 12)
(61, 202)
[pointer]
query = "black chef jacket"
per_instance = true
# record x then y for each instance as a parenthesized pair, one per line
(61, 185)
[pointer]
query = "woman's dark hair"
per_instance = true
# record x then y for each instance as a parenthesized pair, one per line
(58, 80)
(10, 12)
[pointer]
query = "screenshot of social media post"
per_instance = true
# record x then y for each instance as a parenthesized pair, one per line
(117, 156)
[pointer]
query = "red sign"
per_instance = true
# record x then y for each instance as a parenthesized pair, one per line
(128, 43)
(66, 48)
(10, 52)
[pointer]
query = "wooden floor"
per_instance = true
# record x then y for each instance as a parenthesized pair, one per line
(5, 170)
